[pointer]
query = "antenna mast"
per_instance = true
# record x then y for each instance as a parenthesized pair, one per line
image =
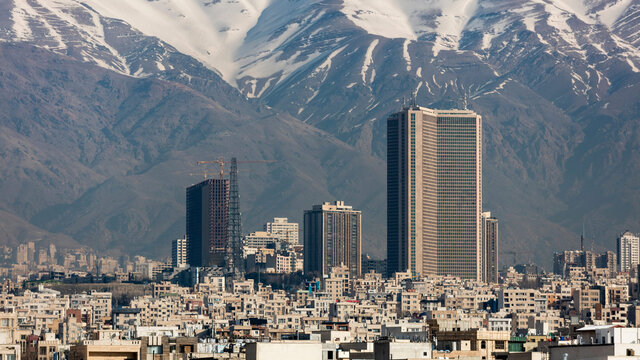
(235, 258)
(582, 238)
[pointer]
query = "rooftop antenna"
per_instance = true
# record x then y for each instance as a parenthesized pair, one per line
(404, 104)
(413, 99)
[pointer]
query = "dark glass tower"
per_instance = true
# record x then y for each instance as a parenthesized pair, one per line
(489, 248)
(208, 222)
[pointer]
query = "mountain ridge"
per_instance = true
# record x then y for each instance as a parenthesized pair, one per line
(142, 149)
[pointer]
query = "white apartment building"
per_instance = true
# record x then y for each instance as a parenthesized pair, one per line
(260, 239)
(179, 253)
(283, 230)
(628, 251)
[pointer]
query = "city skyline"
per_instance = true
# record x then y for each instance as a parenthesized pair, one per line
(416, 176)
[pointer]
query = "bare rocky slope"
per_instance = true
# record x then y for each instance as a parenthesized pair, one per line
(104, 158)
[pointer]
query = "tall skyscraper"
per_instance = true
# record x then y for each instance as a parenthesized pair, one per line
(179, 253)
(628, 251)
(489, 248)
(434, 192)
(332, 237)
(283, 229)
(208, 222)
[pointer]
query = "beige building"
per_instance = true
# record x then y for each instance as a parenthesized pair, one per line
(8, 327)
(517, 300)
(586, 298)
(10, 352)
(338, 283)
(408, 303)
(106, 350)
(154, 311)
(283, 230)
(47, 348)
(260, 239)
(434, 192)
(480, 344)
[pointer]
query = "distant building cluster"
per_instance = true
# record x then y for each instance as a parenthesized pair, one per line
(32, 262)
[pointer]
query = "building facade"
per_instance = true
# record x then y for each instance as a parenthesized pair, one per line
(286, 231)
(332, 237)
(260, 239)
(489, 248)
(179, 253)
(628, 251)
(434, 192)
(208, 222)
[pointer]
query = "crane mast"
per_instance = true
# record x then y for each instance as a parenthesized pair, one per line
(235, 263)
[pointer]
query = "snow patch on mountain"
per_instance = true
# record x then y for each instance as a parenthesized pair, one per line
(405, 53)
(20, 15)
(368, 61)
(326, 64)
(210, 31)
(25, 16)
(411, 19)
(558, 19)
(380, 17)
(613, 12)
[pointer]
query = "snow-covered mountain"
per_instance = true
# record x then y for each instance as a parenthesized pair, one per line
(556, 81)
(254, 38)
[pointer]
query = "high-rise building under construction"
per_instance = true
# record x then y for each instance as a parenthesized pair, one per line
(434, 192)
(208, 223)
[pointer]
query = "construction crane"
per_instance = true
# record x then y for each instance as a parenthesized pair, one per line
(234, 258)
(221, 162)
(204, 173)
